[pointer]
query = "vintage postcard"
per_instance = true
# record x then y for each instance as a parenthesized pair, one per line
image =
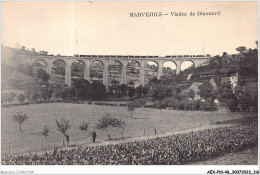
(129, 83)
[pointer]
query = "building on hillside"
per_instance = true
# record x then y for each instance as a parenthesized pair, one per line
(232, 79)
(214, 81)
(195, 87)
(184, 85)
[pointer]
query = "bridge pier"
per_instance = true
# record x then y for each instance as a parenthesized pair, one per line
(160, 69)
(105, 74)
(142, 73)
(123, 80)
(68, 73)
(87, 70)
(178, 67)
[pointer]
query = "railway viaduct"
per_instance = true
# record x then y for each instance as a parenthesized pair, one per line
(106, 60)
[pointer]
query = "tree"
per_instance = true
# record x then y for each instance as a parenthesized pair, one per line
(206, 91)
(104, 123)
(241, 49)
(161, 91)
(144, 91)
(82, 88)
(244, 99)
(45, 132)
(225, 92)
(36, 95)
(9, 97)
(20, 117)
(123, 89)
(81, 83)
(131, 92)
(107, 121)
(42, 75)
(21, 98)
(191, 94)
(63, 93)
(118, 123)
(227, 97)
(99, 90)
(114, 82)
(131, 82)
(183, 95)
(131, 107)
(63, 126)
(139, 91)
(158, 104)
(46, 93)
(172, 102)
(153, 80)
(44, 52)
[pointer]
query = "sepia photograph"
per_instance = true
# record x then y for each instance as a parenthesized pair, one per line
(129, 83)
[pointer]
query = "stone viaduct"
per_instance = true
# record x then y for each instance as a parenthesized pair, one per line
(106, 60)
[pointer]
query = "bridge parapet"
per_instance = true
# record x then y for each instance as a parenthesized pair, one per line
(147, 57)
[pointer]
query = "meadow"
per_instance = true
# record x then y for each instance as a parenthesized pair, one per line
(41, 115)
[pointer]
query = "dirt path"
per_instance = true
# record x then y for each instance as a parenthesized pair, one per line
(157, 135)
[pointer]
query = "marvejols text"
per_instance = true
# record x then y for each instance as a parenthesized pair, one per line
(146, 14)
(160, 14)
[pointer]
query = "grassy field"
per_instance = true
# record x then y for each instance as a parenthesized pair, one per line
(45, 114)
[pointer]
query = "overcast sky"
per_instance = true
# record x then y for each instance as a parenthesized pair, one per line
(106, 27)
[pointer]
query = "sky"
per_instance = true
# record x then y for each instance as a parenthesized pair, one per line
(106, 28)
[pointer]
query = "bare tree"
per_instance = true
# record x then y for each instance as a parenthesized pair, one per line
(63, 126)
(103, 123)
(118, 123)
(107, 121)
(20, 117)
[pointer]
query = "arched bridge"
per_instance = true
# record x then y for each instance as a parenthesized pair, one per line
(106, 60)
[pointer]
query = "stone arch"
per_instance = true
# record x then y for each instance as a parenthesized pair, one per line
(59, 66)
(186, 64)
(97, 70)
(97, 60)
(133, 68)
(150, 70)
(77, 68)
(169, 67)
(38, 60)
(111, 61)
(115, 68)
(59, 70)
